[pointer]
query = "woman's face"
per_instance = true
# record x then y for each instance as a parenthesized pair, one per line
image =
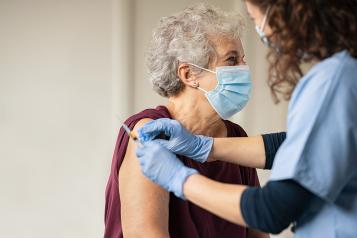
(229, 52)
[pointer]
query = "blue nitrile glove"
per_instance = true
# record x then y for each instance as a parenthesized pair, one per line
(182, 142)
(163, 167)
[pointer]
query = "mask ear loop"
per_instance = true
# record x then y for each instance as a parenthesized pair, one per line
(262, 25)
(208, 70)
(199, 88)
(196, 84)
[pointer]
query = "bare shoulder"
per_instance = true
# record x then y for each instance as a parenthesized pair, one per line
(142, 122)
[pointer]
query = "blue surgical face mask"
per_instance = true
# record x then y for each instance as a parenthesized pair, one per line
(260, 30)
(263, 37)
(233, 89)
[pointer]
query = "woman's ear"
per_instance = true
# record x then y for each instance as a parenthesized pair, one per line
(186, 75)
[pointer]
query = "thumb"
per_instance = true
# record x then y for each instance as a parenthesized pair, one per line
(148, 131)
(153, 128)
(140, 150)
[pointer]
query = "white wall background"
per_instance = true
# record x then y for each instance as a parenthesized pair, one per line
(69, 71)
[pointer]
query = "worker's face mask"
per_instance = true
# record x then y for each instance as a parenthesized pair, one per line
(263, 37)
(232, 91)
(260, 30)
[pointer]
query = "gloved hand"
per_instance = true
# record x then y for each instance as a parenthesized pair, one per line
(163, 167)
(196, 147)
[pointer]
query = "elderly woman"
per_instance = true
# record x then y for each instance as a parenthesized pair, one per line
(185, 51)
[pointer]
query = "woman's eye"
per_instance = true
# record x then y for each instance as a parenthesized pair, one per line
(232, 60)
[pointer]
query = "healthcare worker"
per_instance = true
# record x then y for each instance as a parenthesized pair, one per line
(314, 176)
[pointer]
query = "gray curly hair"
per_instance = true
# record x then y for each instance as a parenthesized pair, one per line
(184, 37)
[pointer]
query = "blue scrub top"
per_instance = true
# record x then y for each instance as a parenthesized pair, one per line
(320, 150)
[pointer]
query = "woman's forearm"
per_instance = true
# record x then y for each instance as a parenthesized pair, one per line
(218, 198)
(271, 208)
(245, 151)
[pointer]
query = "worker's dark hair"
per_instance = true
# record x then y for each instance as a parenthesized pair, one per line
(306, 31)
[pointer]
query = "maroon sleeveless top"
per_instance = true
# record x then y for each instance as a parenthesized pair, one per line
(186, 220)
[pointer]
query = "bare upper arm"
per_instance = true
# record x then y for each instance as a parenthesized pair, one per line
(144, 205)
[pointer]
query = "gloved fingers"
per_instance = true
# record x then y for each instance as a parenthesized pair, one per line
(153, 128)
(149, 147)
(144, 148)
(140, 151)
(149, 131)
(153, 145)
(145, 135)
(164, 143)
